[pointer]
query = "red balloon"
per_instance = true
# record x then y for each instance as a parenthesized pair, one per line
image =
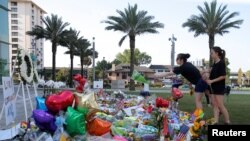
(177, 94)
(60, 101)
(77, 77)
(160, 102)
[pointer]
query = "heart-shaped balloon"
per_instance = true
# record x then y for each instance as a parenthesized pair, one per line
(40, 103)
(86, 100)
(61, 101)
(160, 102)
(80, 82)
(44, 120)
(176, 93)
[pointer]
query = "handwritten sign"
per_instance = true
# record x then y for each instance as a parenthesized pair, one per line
(98, 85)
(9, 100)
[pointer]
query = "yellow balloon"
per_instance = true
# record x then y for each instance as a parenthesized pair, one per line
(86, 100)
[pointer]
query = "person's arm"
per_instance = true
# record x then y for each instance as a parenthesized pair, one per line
(216, 79)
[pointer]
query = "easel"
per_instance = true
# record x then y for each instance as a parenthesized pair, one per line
(23, 95)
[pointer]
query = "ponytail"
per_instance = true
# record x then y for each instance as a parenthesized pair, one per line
(221, 52)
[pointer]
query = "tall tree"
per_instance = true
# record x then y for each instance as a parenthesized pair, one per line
(248, 76)
(102, 66)
(84, 52)
(140, 57)
(132, 23)
(240, 74)
(54, 31)
(212, 20)
(70, 41)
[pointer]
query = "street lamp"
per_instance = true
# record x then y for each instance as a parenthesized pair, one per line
(103, 69)
(93, 58)
(172, 39)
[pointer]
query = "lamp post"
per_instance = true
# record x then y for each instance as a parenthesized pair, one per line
(172, 40)
(103, 69)
(93, 59)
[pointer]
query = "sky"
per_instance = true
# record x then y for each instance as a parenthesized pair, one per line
(86, 16)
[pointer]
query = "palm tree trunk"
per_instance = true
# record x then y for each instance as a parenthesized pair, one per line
(71, 69)
(54, 61)
(132, 62)
(211, 45)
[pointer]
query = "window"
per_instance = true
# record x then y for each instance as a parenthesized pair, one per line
(14, 39)
(117, 74)
(41, 17)
(41, 12)
(32, 5)
(14, 27)
(14, 33)
(33, 18)
(13, 9)
(13, 3)
(13, 57)
(33, 23)
(32, 11)
(13, 15)
(14, 21)
(110, 74)
(160, 70)
(124, 75)
(14, 45)
(14, 51)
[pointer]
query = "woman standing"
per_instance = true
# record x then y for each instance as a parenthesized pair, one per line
(217, 83)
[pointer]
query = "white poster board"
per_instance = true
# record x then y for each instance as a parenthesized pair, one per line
(98, 85)
(146, 87)
(118, 84)
(9, 100)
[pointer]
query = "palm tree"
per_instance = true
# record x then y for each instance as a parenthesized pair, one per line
(54, 30)
(132, 23)
(70, 41)
(84, 52)
(212, 20)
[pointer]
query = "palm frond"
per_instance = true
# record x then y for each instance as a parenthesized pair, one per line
(122, 39)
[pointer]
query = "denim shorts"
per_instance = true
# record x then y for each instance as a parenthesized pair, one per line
(201, 86)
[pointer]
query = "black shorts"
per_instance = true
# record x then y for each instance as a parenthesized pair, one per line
(201, 86)
(217, 90)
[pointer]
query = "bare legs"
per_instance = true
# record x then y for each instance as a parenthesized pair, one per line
(218, 106)
(198, 97)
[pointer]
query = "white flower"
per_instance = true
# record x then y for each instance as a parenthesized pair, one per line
(24, 67)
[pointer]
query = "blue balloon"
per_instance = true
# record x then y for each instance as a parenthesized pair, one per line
(40, 103)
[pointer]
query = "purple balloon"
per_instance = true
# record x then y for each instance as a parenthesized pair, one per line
(44, 120)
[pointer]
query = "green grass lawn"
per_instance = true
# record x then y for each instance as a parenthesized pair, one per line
(238, 106)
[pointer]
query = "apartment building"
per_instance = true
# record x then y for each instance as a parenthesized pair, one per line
(24, 15)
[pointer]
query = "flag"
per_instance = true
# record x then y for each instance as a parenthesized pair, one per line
(183, 131)
(138, 77)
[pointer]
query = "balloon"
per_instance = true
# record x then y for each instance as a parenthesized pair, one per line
(86, 100)
(61, 101)
(75, 122)
(98, 127)
(176, 93)
(40, 103)
(83, 110)
(44, 120)
(160, 102)
(80, 82)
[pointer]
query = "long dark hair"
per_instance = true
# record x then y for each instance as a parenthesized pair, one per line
(221, 52)
(183, 56)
